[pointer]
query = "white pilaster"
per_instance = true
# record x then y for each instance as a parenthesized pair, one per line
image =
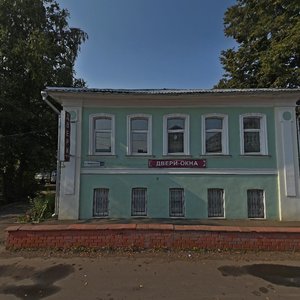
(288, 163)
(70, 171)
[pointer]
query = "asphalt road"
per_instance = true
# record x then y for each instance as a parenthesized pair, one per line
(146, 275)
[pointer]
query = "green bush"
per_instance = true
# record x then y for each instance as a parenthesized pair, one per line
(41, 208)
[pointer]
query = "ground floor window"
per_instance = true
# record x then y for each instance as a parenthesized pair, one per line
(256, 205)
(100, 207)
(215, 203)
(139, 202)
(176, 198)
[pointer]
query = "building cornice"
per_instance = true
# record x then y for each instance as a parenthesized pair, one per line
(173, 97)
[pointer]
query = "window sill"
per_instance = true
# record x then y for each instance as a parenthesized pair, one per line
(102, 155)
(215, 155)
(177, 155)
(255, 155)
(139, 155)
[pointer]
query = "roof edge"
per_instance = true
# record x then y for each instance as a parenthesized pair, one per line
(169, 91)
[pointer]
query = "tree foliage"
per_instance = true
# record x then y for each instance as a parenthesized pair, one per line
(37, 49)
(268, 36)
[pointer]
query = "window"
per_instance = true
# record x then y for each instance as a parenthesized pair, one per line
(139, 135)
(253, 134)
(256, 205)
(215, 134)
(176, 198)
(102, 135)
(100, 207)
(138, 202)
(215, 203)
(176, 135)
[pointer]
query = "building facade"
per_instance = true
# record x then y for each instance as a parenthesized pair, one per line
(193, 154)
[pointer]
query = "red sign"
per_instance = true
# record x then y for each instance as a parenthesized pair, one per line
(67, 136)
(177, 163)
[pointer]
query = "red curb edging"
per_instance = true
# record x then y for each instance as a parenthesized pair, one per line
(153, 236)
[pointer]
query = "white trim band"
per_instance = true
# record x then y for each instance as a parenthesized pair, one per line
(140, 171)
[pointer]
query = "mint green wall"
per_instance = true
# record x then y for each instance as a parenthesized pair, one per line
(195, 187)
(235, 160)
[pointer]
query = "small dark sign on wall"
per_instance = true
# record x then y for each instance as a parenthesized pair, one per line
(177, 163)
(67, 136)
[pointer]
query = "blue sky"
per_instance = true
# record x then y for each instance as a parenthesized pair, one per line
(150, 43)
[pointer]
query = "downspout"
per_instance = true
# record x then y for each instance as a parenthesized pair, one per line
(298, 129)
(58, 162)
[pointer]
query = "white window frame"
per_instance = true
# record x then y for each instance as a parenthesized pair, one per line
(149, 134)
(92, 140)
(264, 204)
(224, 133)
(263, 138)
(186, 134)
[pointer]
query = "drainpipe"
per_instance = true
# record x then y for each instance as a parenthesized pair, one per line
(58, 162)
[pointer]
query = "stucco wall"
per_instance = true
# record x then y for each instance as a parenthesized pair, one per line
(195, 187)
(234, 160)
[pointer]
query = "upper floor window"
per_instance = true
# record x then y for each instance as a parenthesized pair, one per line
(253, 134)
(176, 134)
(139, 135)
(215, 134)
(102, 134)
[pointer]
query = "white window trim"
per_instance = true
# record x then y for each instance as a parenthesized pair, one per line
(225, 139)
(186, 140)
(92, 117)
(149, 135)
(263, 134)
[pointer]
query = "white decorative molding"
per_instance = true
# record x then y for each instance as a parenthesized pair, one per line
(92, 117)
(262, 134)
(224, 132)
(288, 162)
(288, 156)
(140, 171)
(186, 146)
(70, 173)
(149, 134)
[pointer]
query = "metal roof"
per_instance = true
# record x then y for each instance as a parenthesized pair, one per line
(169, 91)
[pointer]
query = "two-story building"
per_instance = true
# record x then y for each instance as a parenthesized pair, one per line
(193, 154)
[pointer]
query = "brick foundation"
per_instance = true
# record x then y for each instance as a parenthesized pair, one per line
(153, 236)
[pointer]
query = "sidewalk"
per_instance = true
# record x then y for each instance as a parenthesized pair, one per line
(149, 233)
(209, 222)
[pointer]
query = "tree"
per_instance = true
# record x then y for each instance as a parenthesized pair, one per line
(268, 36)
(37, 49)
